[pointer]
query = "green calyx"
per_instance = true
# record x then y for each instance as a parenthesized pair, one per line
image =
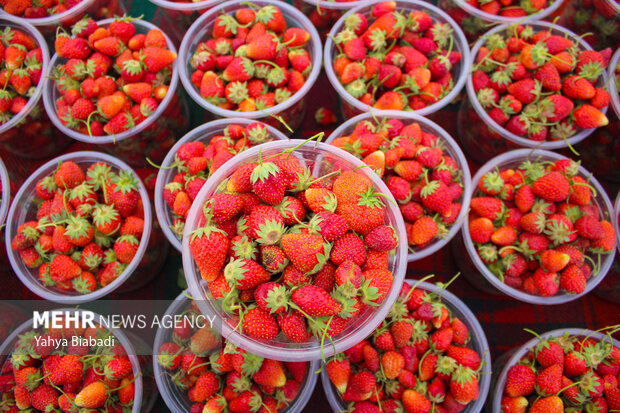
(370, 199)
(270, 232)
(264, 171)
(99, 174)
(245, 249)
(77, 227)
(81, 192)
(125, 182)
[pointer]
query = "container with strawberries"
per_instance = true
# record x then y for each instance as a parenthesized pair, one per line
(476, 16)
(560, 371)
(302, 249)
(198, 371)
(194, 159)
(78, 227)
(598, 20)
(396, 55)
(24, 124)
(114, 84)
(256, 61)
(532, 85)
(65, 369)
(422, 166)
(429, 355)
(540, 228)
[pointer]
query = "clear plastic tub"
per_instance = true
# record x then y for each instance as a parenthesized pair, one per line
(477, 273)
(152, 137)
(177, 401)
(599, 18)
(31, 128)
(175, 17)
(165, 175)
(321, 158)
(349, 106)
(482, 138)
(513, 356)
(451, 147)
(478, 343)
(7, 347)
(613, 86)
(22, 210)
(293, 109)
(97, 9)
(474, 21)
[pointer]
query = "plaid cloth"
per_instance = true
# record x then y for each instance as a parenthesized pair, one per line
(496, 313)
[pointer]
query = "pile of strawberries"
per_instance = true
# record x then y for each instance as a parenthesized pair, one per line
(395, 59)
(37, 9)
(538, 227)
(21, 68)
(87, 229)
(565, 373)
(230, 379)
(596, 19)
(252, 61)
(289, 253)
(42, 376)
(195, 162)
(539, 85)
(417, 360)
(423, 178)
(112, 78)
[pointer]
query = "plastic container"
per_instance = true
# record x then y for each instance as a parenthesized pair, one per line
(477, 273)
(600, 153)
(599, 18)
(293, 109)
(7, 347)
(512, 357)
(321, 158)
(481, 137)
(349, 106)
(324, 13)
(474, 21)
(22, 210)
(31, 127)
(478, 342)
(150, 138)
(452, 149)
(177, 401)
(5, 201)
(97, 9)
(175, 17)
(165, 175)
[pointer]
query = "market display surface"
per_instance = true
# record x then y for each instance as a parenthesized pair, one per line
(429, 225)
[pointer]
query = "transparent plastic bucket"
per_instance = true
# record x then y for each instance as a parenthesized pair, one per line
(97, 9)
(321, 158)
(178, 402)
(31, 128)
(6, 349)
(481, 137)
(474, 21)
(596, 17)
(478, 343)
(513, 356)
(477, 273)
(350, 106)
(22, 210)
(451, 148)
(150, 138)
(293, 109)
(165, 175)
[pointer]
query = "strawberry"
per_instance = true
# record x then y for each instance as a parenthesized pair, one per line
(315, 302)
(260, 324)
(587, 117)
(92, 396)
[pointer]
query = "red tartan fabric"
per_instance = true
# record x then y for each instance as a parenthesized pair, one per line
(502, 318)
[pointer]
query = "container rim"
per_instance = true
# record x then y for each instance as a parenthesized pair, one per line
(198, 28)
(560, 298)
(461, 45)
(503, 19)
(613, 88)
(50, 105)
(30, 183)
